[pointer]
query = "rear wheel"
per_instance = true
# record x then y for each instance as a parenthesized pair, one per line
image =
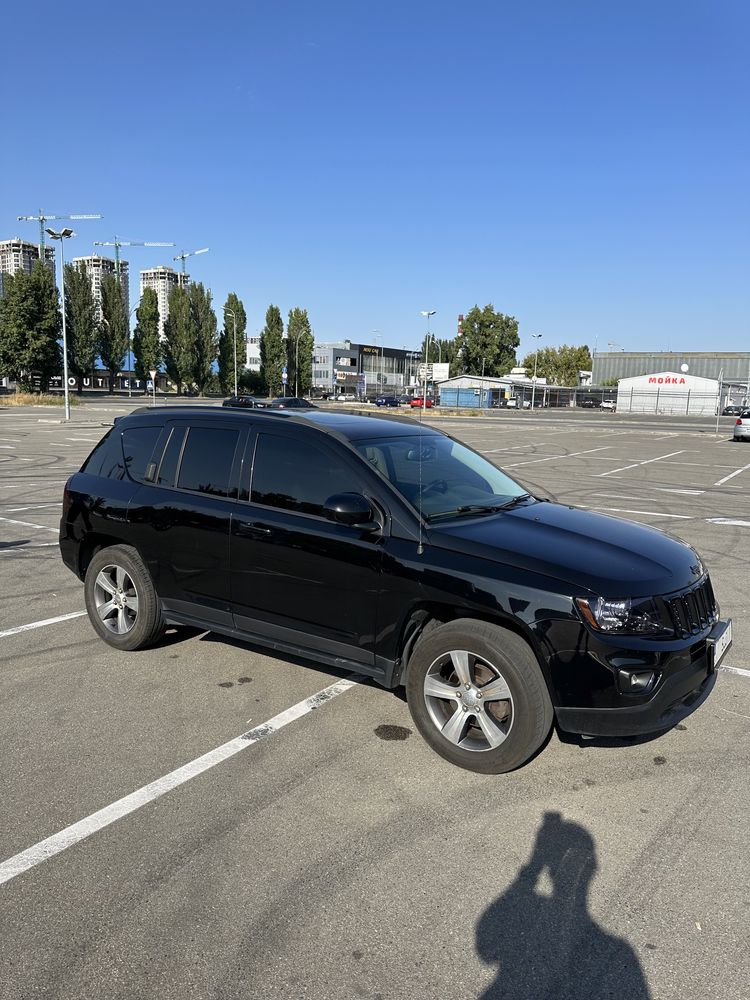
(121, 600)
(477, 696)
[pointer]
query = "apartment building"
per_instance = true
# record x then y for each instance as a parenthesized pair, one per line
(20, 255)
(163, 279)
(96, 267)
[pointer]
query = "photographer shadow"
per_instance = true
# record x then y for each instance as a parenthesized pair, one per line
(545, 943)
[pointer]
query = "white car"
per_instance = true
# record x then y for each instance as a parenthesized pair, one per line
(346, 395)
(609, 404)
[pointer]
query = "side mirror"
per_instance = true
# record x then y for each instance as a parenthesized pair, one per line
(352, 509)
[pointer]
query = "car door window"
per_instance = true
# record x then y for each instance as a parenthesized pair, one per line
(297, 475)
(207, 457)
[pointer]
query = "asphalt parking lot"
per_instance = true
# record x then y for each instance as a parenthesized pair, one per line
(332, 854)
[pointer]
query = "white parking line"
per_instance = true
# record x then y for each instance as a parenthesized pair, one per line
(47, 621)
(691, 493)
(634, 465)
(28, 524)
(651, 513)
(550, 458)
(38, 506)
(736, 670)
(728, 520)
(727, 478)
(7, 446)
(84, 828)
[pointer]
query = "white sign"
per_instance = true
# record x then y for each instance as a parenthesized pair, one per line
(152, 373)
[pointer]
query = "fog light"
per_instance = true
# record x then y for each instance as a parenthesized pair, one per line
(636, 681)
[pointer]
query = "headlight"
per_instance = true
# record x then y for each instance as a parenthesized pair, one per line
(637, 616)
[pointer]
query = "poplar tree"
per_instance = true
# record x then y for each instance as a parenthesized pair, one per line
(272, 351)
(205, 339)
(179, 338)
(113, 329)
(81, 330)
(226, 343)
(300, 350)
(146, 343)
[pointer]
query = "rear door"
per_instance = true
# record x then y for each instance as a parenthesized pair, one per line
(181, 523)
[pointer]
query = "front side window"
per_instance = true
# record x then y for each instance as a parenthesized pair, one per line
(297, 475)
(207, 458)
(437, 475)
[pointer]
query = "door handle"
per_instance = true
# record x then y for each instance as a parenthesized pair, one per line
(253, 528)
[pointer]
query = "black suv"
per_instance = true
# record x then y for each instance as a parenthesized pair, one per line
(384, 546)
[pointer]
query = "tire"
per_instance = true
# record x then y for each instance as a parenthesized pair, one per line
(121, 600)
(459, 668)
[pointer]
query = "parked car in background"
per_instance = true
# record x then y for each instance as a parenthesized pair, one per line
(742, 426)
(404, 399)
(291, 403)
(387, 548)
(589, 402)
(418, 401)
(387, 401)
(732, 410)
(609, 404)
(346, 396)
(248, 402)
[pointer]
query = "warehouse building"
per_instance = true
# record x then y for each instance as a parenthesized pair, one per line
(719, 365)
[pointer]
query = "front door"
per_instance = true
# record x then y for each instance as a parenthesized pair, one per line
(296, 576)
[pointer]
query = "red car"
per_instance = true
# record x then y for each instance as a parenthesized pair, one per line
(419, 401)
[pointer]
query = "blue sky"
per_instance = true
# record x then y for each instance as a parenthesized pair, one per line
(581, 165)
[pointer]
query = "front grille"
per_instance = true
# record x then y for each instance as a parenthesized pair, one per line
(693, 611)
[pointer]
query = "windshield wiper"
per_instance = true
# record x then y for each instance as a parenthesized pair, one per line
(479, 508)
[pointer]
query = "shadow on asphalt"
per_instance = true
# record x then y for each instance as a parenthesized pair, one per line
(540, 934)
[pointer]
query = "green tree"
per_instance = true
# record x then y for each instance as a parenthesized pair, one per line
(226, 343)
(81, 330)
(113, 329)
(559, 365)
(146, 343)
(179, 338)
(447, 351)
(30, 326)
(299, 350)
(272, 351)
(206, 341)
(489, 342)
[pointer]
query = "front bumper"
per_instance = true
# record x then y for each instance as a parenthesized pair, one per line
(678, 693)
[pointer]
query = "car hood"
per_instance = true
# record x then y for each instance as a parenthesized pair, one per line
(605, 555)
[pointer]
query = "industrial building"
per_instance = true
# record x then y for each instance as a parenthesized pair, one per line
(727, 366)
(364, 369)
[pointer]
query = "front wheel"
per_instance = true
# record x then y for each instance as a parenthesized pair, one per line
(121, 600)
(477, 696)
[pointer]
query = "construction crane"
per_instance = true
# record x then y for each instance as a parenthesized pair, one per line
(117, 243)
(43, 219)
(189, 253)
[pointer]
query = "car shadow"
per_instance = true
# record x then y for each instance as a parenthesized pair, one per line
(541, 936)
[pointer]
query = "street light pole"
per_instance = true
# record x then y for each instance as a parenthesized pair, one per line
(535, 336)
(426, 313)
(62, 235)
(234, 320)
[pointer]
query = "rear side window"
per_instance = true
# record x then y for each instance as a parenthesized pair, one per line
(138, 445)
(207, 458)
(123, 453)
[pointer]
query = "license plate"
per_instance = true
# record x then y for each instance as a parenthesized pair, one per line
(719, 644)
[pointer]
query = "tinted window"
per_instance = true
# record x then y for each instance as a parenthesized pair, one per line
(297, 475)
(168, 464)
(207, 457)
(138, 445)
(93, 464)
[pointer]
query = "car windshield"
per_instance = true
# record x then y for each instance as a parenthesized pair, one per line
(440, 477)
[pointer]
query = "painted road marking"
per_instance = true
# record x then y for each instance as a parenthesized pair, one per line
(691, 493)
(651, 513)
(634, 465)
(550, 458)
(28, 524)
(47, 621)
(728, 520)
(736, 670)
(84, 828)
(7, 446)
(727, 478)
(38, 506)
